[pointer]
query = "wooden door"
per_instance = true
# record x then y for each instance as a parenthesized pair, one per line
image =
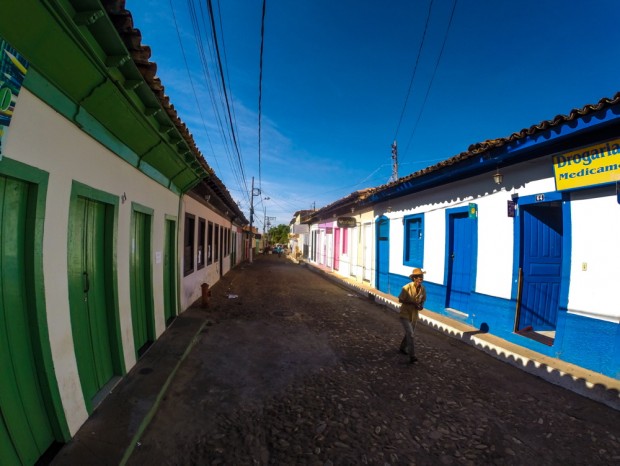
(26, 430)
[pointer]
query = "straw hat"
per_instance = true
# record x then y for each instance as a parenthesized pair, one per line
(417, 271)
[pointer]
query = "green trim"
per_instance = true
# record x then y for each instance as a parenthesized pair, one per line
(108, 98)
(80, 189)
(170, 242)
(51, 394)
(141, 208)
(49, 94)
(150, 302)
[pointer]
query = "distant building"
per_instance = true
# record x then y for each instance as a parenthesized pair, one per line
(518, 236)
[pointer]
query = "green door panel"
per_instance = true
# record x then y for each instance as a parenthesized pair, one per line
(142, 313)
(87, 294)
(97, 303)
(169, 271)
(25, 425)
(8, 455)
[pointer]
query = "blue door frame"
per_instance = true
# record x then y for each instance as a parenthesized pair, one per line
(461, 253)
(383, 254)
(543, 248)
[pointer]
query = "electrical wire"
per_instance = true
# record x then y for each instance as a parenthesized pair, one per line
(415, 69)
(225, 92)
(199, 44)
(221, 70)
(260, 90)
(430, 84)
(189, 75)
(227, 131)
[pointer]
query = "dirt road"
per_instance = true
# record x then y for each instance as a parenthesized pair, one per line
(294, 369)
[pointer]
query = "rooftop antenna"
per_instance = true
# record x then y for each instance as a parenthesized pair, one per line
(394, 176)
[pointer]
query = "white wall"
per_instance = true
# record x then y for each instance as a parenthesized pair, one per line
(595, 247)
(191, 285)
(42, 138)
(495, 229)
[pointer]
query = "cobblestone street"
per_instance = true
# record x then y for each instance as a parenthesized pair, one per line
(293, 369)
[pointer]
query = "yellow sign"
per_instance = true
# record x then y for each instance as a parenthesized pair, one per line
(588, 166)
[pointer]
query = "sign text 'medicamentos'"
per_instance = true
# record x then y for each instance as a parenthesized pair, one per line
(588, 166)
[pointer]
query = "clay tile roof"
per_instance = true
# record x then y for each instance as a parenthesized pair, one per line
(485, 146)
(141, 54)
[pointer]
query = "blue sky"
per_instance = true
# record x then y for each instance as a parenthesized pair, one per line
(336, 75)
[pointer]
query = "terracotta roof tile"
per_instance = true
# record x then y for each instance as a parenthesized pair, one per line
(141, 54)
(484, 146)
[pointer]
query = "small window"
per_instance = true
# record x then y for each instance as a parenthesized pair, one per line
(200, 258)
(414, 241)
(210, 243)
(188, 246)
(227, 242)
(216, 243)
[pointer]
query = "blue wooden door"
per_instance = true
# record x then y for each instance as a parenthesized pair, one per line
(541, 259)
(383, 254)
(461, 260)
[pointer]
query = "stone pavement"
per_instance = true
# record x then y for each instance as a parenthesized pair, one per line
(585, 382)
(116, 428)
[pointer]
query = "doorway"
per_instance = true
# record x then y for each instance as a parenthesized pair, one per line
(29, 425)
(461, 260)
(383, 254)
(541, 259)
(94, 317)
(141, 279)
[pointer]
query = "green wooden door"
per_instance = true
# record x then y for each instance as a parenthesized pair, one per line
(141, 289)
(170, 272)
(25, 426)
(91, 314)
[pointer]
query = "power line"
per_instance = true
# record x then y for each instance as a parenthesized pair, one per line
(260, 89)
(205, 71)
(189, 75)
(415, 69)
(430, 84)
(227, 130)
(221, 70)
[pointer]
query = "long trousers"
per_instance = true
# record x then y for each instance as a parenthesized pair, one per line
(406, 344)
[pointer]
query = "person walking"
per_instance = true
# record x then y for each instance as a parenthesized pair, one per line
(412, 298)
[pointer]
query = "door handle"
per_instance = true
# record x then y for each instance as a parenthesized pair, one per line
(86, 282)
(452, 256)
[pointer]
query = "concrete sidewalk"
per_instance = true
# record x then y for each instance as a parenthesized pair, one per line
(113, 430)
(589, 384)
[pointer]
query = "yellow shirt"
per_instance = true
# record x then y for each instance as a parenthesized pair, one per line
(412, 300)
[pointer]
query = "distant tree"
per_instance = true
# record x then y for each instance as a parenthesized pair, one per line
(279, 234)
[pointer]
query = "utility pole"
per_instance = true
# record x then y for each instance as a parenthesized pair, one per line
(255, 192)
(394, 162)
(268, 224)
(265, 213)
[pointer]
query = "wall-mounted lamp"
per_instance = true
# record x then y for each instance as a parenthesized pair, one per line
(498, 177)
(208, 197)
(352, 210)
(123, 198)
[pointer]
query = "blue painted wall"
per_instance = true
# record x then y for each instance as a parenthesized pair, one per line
(590, 343)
